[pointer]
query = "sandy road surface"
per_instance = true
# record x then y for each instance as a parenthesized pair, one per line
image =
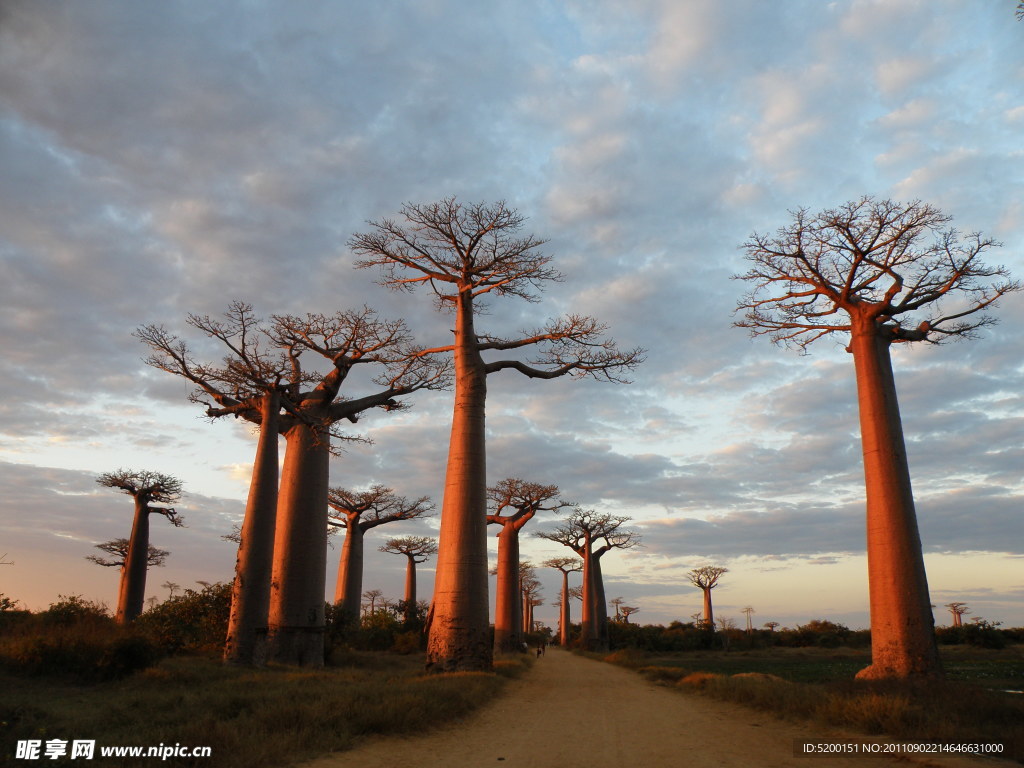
(570, 712)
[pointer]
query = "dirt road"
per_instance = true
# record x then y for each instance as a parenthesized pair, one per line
(570, 712)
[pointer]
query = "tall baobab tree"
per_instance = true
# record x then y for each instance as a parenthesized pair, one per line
(357, 512)
(417, 549)
(957, 610)
(565, 566)
(706, 578)
(463, 253)
(514, 502)
(118, 551)
(591, 535)
(146, 489)
(529, 595)
(616, 603)
(881, 273)
(286, 546)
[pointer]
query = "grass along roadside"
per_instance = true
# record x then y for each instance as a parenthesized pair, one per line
(970, 706)
(268, 717)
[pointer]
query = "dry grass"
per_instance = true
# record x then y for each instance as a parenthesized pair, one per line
(276, 716)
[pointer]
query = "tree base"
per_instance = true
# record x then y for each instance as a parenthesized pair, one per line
(296, 646)
(903, 672)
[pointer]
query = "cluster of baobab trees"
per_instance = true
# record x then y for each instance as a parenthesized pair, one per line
(877, 272)
(288, 376)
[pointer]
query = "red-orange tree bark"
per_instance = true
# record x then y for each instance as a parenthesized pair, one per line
(706, 578)
(591, 535)
(463, 253)
(357, 512)
(146, 489)
(514, 502)
(565, 566)
(883, 273)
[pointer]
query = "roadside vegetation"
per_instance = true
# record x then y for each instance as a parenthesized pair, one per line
(70, 673)
(807, 674)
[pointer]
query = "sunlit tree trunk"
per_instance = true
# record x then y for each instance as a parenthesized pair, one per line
(508, 598)
(410, 588)
(563, 634)
(250, 594)
(132, 590)
(349, 588)
(296, 626)
(459, 630)
(709, 613)
(600, 607)
(902, 626)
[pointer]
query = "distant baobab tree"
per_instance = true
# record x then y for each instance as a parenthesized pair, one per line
(118, 551)
(771, 625)
(616, 603)
(706, 578)
(627, 611)
(357, 512)
(529, 594)
(591, 535)
(957, 610)
(749, 611)
(306, 403)
(565, 566)
(417, 549)
(371, 596)
(513, 503)
(146, 489)
(171, 587)
(463, 253)
(882, 273)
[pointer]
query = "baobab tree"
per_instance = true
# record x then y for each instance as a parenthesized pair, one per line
(957, 610)
(771, 625)
(309, 406)
(627, 611)
(463, 253)
(118, 551)
(357, 512)
(616, 603)
(565, 566)
(749, 611)
(370, 598)
(881, 273)
(591, 535)
(529, 595)
(146, 489)
(417, 549)
(706, 578)
(514, 502)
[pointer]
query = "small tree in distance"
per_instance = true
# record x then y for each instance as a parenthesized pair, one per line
(881, 273)
(417, 549)
(145, 488)
(706, 578)
(957, 610)
(118, 551)
(565, 566)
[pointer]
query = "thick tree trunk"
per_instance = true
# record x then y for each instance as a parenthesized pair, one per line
(902, 627)
(709, 613)
(132, 590)
(602, 639)
(296, 626)
(410, 588)
(587, 626)
(507, 614)
(459, 630)
(349, 588)
(250, 594)
(563, 638)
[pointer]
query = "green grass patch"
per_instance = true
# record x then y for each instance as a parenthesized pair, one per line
(817, 685)
(274, 716)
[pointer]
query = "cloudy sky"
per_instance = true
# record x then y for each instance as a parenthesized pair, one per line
(160, 159)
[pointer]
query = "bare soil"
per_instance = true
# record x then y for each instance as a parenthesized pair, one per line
(571, 712)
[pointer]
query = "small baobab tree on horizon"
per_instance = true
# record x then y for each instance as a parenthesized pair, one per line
(466, 253)
(118, 551)
(146, 489)
(529, 594)
(592, 535)
(749, 611)
(513, 503)
(706, 578)
(957, 610)
(627, 611)
(771, 625)
(879, 273)
(417, 549)
(565, 566)
(357, 512)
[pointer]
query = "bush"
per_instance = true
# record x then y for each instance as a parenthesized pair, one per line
(193, 621)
